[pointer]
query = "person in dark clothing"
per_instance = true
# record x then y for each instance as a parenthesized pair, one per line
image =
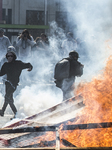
(12, 69)
(75, 69)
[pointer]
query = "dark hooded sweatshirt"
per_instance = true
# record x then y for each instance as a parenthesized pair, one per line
(13, 70)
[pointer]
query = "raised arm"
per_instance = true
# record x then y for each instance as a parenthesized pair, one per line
(26, 66)
(18, 41)
(31, 42)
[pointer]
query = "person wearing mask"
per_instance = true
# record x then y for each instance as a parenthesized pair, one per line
(25, 42)
(12, 68)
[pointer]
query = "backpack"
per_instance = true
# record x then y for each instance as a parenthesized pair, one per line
(78, 71)
(62, 69)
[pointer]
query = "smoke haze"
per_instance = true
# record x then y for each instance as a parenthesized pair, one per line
(92, 18)
(94, 26)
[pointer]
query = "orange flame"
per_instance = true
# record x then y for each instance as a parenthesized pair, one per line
(97, 97)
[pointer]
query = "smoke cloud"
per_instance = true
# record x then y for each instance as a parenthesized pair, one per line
(94, 26)
(92, 19)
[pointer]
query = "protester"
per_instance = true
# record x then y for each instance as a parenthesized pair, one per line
(25, 42)
(66, 71)
(4, 59)
(42, 48)
(4, 43)
(12, 68)
(42, 41)
(68, 44)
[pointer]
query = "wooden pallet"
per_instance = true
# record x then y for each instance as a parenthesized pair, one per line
(39, 119)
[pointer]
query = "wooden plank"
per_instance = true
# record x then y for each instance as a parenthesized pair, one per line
(66, 148)
(43, 113)
(44, 143)
(28, 129)
(88, 126)
(66, 143)
(23, 129)
(53, 128)
(58, 116)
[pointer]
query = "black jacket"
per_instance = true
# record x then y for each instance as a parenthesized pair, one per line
(13, 70)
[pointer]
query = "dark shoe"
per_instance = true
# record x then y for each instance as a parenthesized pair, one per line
(1, 113)
(13, 116)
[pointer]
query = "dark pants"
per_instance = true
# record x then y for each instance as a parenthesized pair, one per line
(9, 98)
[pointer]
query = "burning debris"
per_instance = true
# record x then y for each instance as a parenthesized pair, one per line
(97, 97)
(90, 128)
(24, 128)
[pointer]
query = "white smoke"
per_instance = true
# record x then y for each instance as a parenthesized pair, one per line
(32, 100)
(94, 26)
(37, 90)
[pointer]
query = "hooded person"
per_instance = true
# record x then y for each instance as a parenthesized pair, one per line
(12, 69)
(75, 68)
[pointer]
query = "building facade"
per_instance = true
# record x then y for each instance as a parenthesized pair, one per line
(35, 14)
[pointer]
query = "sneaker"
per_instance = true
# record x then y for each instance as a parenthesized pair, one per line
(14, 116)
(1, 113)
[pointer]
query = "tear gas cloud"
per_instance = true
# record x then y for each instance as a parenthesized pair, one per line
(94, 26)
(37, 90)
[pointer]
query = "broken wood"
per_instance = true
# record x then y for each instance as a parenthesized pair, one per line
(57, 139)
(87, 126)
(43, 113)
(66, 143)
(53, 128)
(66, 148)
(41, 144)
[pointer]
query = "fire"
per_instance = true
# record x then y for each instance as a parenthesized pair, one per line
(45, 140)
(97, 96)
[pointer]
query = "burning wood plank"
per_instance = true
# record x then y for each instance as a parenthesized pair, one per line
(88, 126)
(53, 111)
(49, 144)
(27, 139)
(66, 143)
(28, 129)
(66, 148)
(53, 128)
(41, 144)
(15, 138)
